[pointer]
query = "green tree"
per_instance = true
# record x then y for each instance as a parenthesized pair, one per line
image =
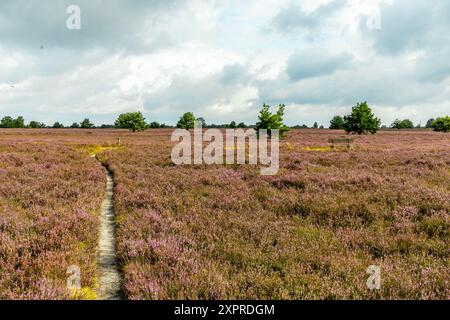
(154, 125)
(58, 125)
(315, 125)
(361, 120)
(86, 124)
(337, 123)
(270, 121)
(232, 125)
(19, 122)
(7, 122)
(75, 125)
(402, 124)
(133, 121)
(242, 125)
(36, 125)
(202, 121)
(187, 121)
(442, 124)
(429, 124)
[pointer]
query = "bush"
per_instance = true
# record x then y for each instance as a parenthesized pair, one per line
(361, 120)
(58, 125)
(36, 125)
(442, 124)
(133, 121)
(337, 123)
(9, 122)
(86, 124)
(402, 124)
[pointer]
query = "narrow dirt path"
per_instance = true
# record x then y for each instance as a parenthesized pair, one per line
(109, 270)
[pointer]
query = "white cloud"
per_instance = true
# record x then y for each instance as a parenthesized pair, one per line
(223, 59)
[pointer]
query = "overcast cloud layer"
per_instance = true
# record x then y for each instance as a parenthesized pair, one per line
(223, 59)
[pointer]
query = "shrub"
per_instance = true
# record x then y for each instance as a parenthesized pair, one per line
(337, 123)
(442, 124)
(133, 121)
(36, 125)
(402, 124)
(86, 124)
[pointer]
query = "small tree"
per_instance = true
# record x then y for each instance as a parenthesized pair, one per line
(361, 120)
(36, 125)
(442, 124)
(75, 125)
(133, 121)
(86, 124)
(315, 125)
(429, 124)
(402, 124)
(7, 122)
(337, 123)
(201, 121)
(154, 125)
(58, 125)
(270, 121)
(187, 121)
(232, 125)
(19, 122)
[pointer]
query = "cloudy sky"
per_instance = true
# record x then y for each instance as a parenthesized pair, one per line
(222, 59)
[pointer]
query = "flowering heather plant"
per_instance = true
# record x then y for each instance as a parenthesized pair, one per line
(49, 195)
(309, 232)
(225, 231)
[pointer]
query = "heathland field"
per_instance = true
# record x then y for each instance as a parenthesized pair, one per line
(226, 232)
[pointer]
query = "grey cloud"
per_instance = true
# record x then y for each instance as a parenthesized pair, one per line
(112, 24)
(293, 18)
(411, 25)
(233, 74)
(315, 62)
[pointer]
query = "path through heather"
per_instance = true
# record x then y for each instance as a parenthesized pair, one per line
(109, 271)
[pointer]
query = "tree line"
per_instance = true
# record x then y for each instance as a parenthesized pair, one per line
(361, 120)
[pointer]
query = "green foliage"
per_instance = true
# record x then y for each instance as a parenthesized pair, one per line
(361, 120)
(9, 122)
(75, 125)
(133, 121)
(402, 124)
(154, 125)
(36, 125)
(337, 123)
(187, 121)
(19, 122)
(429, 124)
(442, 124)
(316, 125)
(232, 125)
(86, 124)
(202, 121)
(270, 121)
(58, 125)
